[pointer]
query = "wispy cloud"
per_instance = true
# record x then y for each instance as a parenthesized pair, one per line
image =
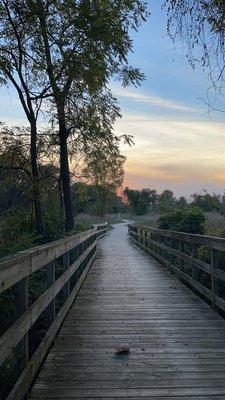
(152, 100)
(184, 155)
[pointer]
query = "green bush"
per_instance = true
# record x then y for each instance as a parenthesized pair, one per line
(190, 220)
(16, 231)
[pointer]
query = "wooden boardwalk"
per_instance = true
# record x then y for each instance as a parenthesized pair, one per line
(176, 340)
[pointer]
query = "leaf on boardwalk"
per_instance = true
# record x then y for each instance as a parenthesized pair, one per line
(122, 350)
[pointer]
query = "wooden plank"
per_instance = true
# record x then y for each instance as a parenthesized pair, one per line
(168, 397)
(126, 393)
(143, 376)
(132, 383)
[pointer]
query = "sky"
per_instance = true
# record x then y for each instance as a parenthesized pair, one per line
(178, 144)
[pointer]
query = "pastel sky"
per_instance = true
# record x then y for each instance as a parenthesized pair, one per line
(178, 145)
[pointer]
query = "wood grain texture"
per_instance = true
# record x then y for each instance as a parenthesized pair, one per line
(176, 340)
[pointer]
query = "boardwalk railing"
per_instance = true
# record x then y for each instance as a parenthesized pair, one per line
(75, 255)
(198, 260)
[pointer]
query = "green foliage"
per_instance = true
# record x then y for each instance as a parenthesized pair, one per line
(140, 201)
(190, 220)
(16, 232)
(206, 201)
(143, 201)
(182, 202)
(166, 201)
(95, 199)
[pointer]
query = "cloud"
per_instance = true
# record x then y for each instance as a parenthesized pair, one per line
(152, 100)
(184, 155)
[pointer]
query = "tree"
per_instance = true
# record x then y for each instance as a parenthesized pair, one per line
(16, 189)
(139, 200)
(80, 45)
(206, 201)
(104, 169)
(80, 197)
(149, 197)
(16, 67)
(166, 201)
(200, 24)
(182, 202)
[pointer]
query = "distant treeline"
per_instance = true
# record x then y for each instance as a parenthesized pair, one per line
(143, 201)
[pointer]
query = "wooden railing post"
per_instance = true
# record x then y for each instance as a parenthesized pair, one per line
(181, 249)
(21, 305)
(146, 236)
(66, 264)
(170, 258)
(214, 281)
(194, 254)
(50, 278)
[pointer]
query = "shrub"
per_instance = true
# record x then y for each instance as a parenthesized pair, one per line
(190, 220)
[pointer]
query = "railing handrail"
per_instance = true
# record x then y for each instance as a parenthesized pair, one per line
(215, 242)
(26, 261)
(99, 226)
(186, 264)
(78, 253)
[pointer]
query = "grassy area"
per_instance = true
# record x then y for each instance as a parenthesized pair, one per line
(215, 224)
(149, 219)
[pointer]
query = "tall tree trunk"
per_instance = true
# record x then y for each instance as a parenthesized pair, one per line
(59, 97)
(64, 170)
(62, 214)
(39, 224)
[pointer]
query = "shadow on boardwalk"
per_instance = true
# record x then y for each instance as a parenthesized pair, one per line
(176, 341)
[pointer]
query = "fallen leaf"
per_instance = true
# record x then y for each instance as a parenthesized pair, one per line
(122, 350)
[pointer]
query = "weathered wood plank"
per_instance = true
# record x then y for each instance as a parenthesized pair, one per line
(168, 397)
(126, 393)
